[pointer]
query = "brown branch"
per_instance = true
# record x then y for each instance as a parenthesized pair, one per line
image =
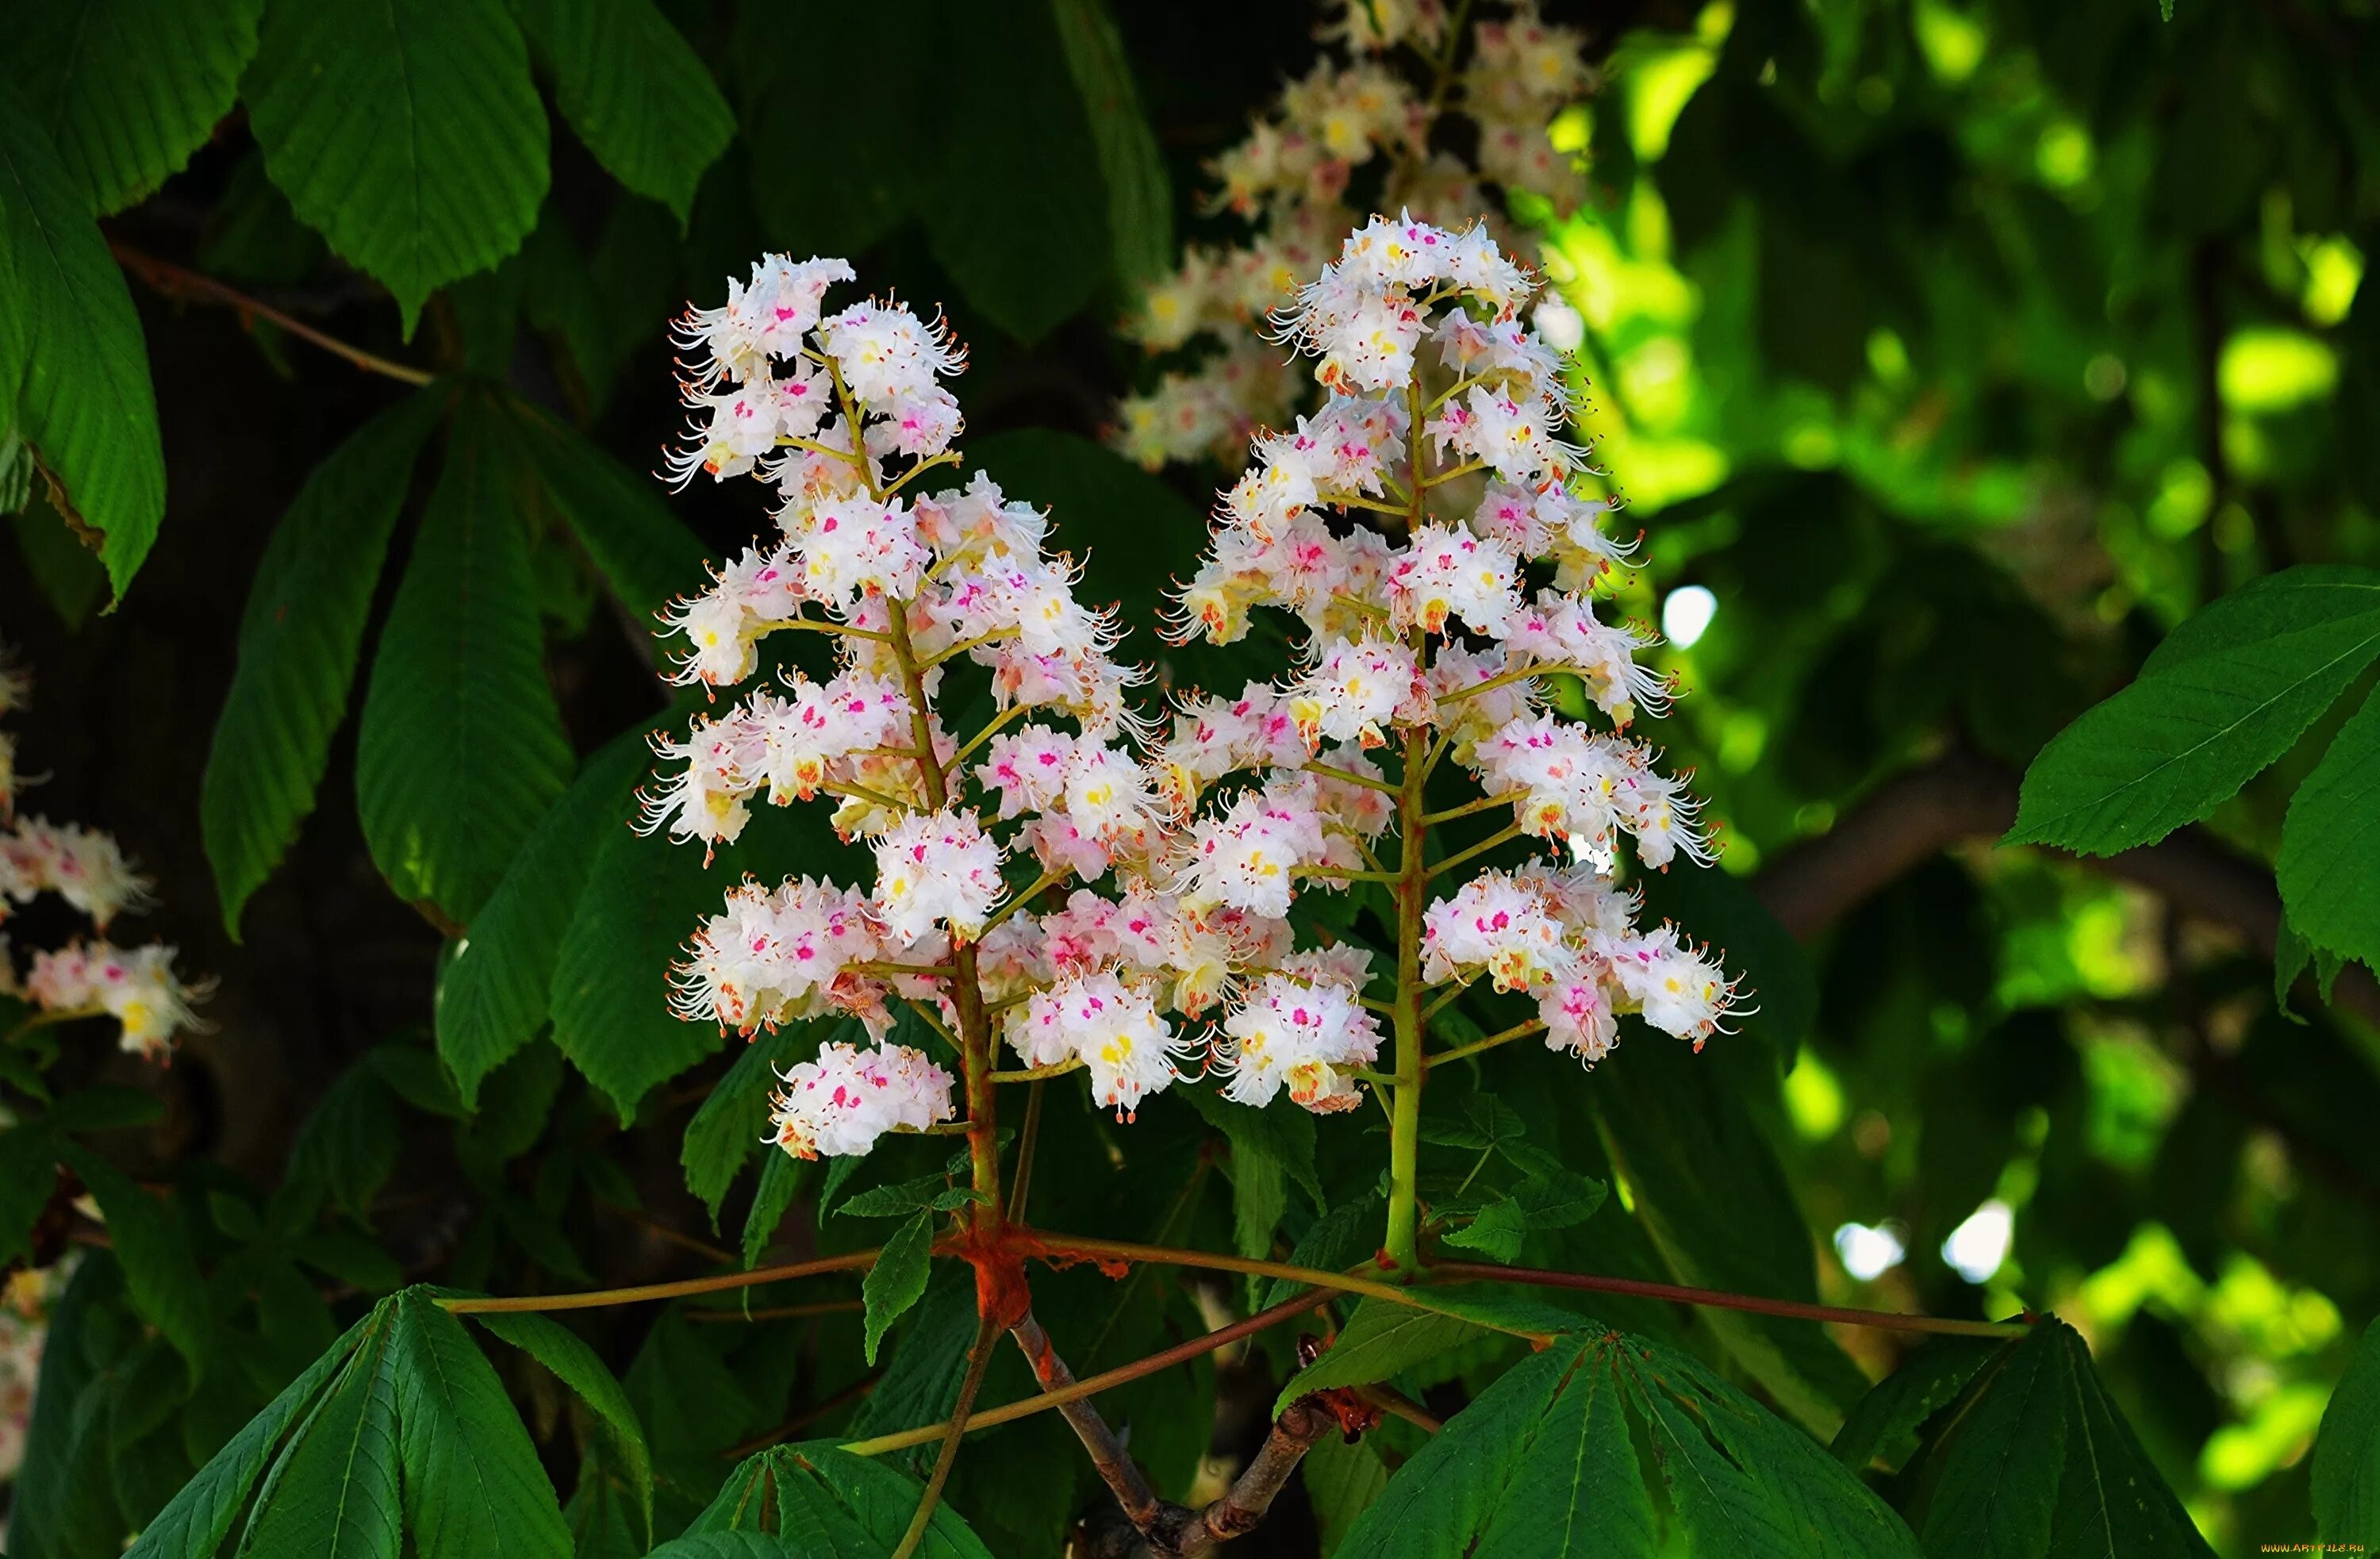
(1887, 1320)
(1961, 796)
(176, 280)
(1116, 1469)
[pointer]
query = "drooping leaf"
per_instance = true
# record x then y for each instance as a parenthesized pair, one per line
(128, 89)
(783, 103)
(1342, 1481)
(644, 550)
(576, 1364)
(344, 1153)
(898, 1279)
(408, 133)
(462, 748)
(1140, 200)
(74, 367)
(2034, 1460)
(2347, 1452)
(28, 1177)
(1379, 1341)
(727, 1130)
(299, 641)
(1339, 1238)
(2329, 863)
(1019, 216)
(2222, 698)
(1269, 1149)
(1496, 1231)
(335, 1489)
(154, 1251)
(781, 1182)
(921, 1385)
(473, 1486)
(494, 991)
(1883, 1425)
(637, 94)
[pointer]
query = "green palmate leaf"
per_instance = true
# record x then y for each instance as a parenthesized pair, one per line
(74, 368)
(825, 1501)
(638, 97)
(154, 1251)
(922, 1383)
(494, 991)
(896, 1200)
(299, 640)
(2216, 703)
(2346, 1453)
(1140, 200)
(1883, 1426)
(898, 1279)
(1496, 1232)
(1339, 1238)
(2034, 1460)
(725, 1132)
(722, 1545)
(1019, 218)
(462, 749)
(2329, 864)
(408, 133)
(566, 1354)
(473, 1486)
(335, 1490)
(784, 102)
(1342, 1481)
(644, 550)
(1716, 1202)
(196, 1521)
(70, 577)
(128, 89)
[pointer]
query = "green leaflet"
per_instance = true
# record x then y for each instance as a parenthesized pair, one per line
(1342, 1481)
(60, 1507)
(2329, 864)
(74, 367)
(921, 1384)
(1883, 1425)
(644, 550)
(825, 1501)
(409, 134)
(473, 1486)
(344, 1153)
(1140, 197)
(2347, 1452)
(566, 1354)
(724, 1133)
(898, 1279)
(154, 1251)
(27, 1177)
(299, 641)
(335, 1490)
(461, 749)
(2226, 694)
(781, 1182)
(494, 990)
(128, 89)
(1270, 1148)
(2034, 1461)
(637, 94)
(1382, 1339)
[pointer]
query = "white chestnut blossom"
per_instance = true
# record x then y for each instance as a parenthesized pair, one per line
(1307, 1034)
(839, 1103)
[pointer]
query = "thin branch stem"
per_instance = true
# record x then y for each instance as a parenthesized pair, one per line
(987, 1335)
(910, 971)
(1023, 897)
(998, 724)
(1517, 1031)
(1346, 874)
(1349, 777)
(820, 625)
(1452, 992)
(861, 793)
(1040, 1074)
(1359, 501)
(1890, 1321)
(934, 1021)
(1485, 804)
(1503, 836)
(1451, 473)
(1020, 1182)
(772, 1312)
(1063, 1246)
(174, 281)
(964, 645)
(947, 458)
(598, 1298)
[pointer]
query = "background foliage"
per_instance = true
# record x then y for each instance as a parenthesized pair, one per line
(1963, 352)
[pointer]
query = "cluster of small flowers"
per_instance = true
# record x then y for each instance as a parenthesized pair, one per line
(1441, 632)
(1289, 178)
(88, 870)
(844, 1101)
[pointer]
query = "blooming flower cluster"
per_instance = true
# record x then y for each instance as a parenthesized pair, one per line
(1443, 581)
(1508, 73)
(88, 870)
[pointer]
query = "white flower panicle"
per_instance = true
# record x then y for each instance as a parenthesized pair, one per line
(839, 1103)
(1509, 75)
(88, 870)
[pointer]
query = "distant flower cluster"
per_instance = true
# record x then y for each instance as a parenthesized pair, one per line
(1372, 118)
(1179, 850)
(87, 870)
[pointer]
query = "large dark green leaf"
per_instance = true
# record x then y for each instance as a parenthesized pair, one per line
(1269, 1149)
(566, 1354)
(408, 132)
(335, 1490)
(2220, 699)
(1545, 1463)
(2329, 864)
(462, 748)
(1140, 200)
(638, 97)
(74, 368)
(2346, 1453)
(128, 89)
(299, 640)
(344, 1153)
(1711, 1193)
(473, 1486)
(61, 1508)
(826, 1500)
(153, 1247)
(2034, 1461)
(495, 988)
(644, 550)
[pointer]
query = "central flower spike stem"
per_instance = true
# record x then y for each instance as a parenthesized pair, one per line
(1404, 1246)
